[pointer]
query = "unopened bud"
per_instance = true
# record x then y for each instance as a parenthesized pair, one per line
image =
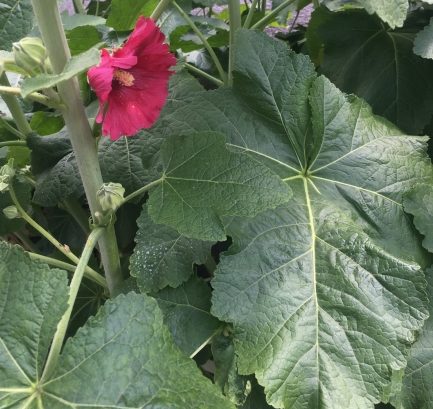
(11, 212)
(30, 54)
(7, 172)
(110, 196)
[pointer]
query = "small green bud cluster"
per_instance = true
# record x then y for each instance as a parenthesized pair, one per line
(7, 172)
(31, 55)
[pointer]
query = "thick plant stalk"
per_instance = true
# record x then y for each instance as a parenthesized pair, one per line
(83, 143)
(235, 24)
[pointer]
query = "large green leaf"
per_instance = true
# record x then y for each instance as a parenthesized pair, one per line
(186, 312)
(311, 286)
(74, 66)
(32, 301)
(105, 364)
(361, 56)
(417, 392)
(203, 181)
(162, 256)
(15, 21)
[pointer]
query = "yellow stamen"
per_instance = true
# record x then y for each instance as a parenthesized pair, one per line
(124, 77)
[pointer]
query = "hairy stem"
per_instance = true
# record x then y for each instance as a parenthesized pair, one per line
(203, 74)
(91, 274)
(250, 15)
(59, 336)
(11, 129)
(80, 133)
(79, 7)
(64, 266)
(235, 24)
(159, 9)
(143, 189)
(14, 106)
(206, 45)
(269, 17)
(12, 143)
(7, 91)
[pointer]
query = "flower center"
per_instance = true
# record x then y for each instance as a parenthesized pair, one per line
(123, 77)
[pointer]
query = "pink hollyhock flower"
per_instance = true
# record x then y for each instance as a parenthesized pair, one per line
(131, 82)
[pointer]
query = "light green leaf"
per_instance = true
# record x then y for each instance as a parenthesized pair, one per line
(106, 364)
(203, 181)
(186, 313)
(423, 44)
(419, 203)
(81, 39)
(73, 67)
(16, 20)
(162, 256)
(71, 22)
(417, 392)
(325, 292)
(33, 299)
(360, 57)
(392, 12)
(124, 13)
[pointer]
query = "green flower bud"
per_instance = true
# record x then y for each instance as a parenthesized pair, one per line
(7, 172)
(30, 54)
(11, 212)
(110, 196)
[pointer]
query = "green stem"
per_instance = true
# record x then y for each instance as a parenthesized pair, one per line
(269, 17)
(65, 266)
(79, 7)
(142, 190)
(235, 24)
(14, 106)
(7, 91)
(250, 15)
(25, 241)
(59, 336)
(92, 274)
(159, 9)
(316, 4)
(13, 143)
(11, 129)
(206, 45)
(203, 74)
(80, 133)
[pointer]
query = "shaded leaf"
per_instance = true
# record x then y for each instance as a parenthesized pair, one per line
(16, 20)
(361, 56)
(162, 256)
(186, 313)
(70, 22)
(74, 66)
(203, 181)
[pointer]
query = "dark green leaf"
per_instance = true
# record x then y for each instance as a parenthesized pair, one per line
(106, 365)
(15, 21)
(186, 313)
(363, 57)
(46, 123)
(74, 66)
(203, 181)
(315, 283)
(162, 256)
(423, 45)
(34, 297)
(124, 13)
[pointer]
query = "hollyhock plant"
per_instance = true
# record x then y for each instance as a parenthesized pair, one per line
(131, 82)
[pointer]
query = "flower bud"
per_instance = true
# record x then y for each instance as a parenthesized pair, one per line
(7, 172)
(30, 54)
(11, 212)
(110, 196)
